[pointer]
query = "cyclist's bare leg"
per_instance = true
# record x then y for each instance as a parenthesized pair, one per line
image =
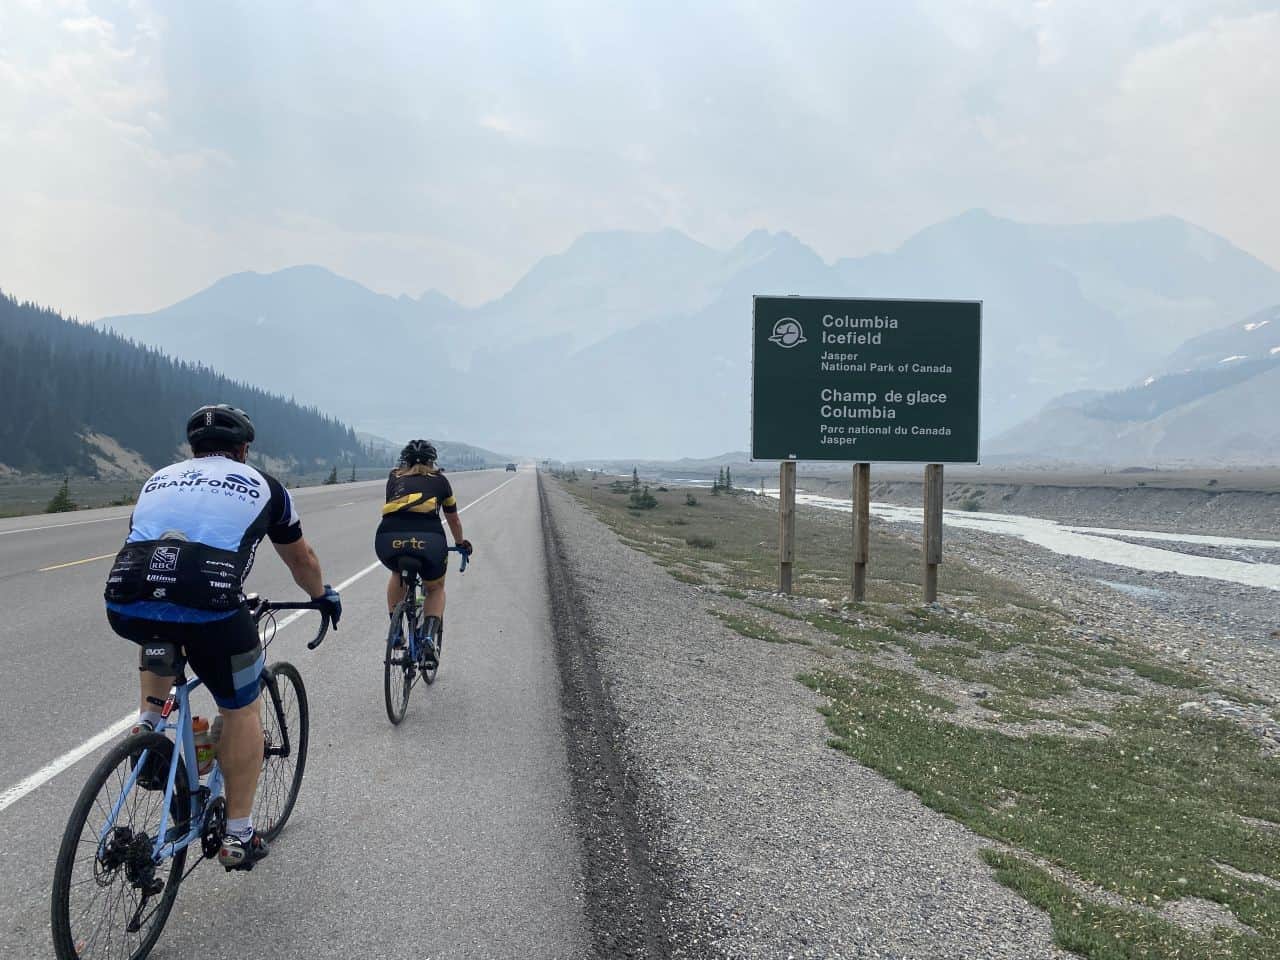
(155, 690)
(395, 592)
(433, 602)
(240, 756)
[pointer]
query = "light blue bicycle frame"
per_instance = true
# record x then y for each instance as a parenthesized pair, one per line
(180, 696)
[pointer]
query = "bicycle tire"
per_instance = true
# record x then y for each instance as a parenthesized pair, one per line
(397, 667)
(69, 944)
(284, 708)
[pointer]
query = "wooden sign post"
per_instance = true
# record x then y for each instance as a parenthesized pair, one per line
(861, 528)
(786, 523)
(932, 529)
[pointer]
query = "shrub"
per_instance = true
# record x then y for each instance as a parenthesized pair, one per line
(61, 502)
(642, 499)
(702, 543)
(970, 504)
(690, 500)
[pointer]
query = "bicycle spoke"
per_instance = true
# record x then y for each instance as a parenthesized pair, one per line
(284, 720)
(105, 862)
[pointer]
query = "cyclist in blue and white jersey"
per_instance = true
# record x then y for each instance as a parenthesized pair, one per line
(179, 578)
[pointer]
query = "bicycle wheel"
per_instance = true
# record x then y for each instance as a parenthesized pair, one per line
(397, 665)
(110, 897)
(285, 725)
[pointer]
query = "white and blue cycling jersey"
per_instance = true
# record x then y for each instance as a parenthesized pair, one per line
(214, 507)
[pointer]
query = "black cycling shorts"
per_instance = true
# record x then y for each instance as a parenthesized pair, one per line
(226, 654)
(432, 549)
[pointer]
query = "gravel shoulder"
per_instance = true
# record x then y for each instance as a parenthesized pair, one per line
(765, 842)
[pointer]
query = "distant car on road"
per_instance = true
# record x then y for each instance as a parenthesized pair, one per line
(511, 467)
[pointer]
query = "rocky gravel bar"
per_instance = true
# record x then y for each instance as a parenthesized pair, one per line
(761, 840)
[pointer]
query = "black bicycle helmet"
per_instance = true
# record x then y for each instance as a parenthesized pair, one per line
(418, 451)
(219, 426)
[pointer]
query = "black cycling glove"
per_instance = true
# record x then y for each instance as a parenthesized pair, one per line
(465, 546)
(330, 603)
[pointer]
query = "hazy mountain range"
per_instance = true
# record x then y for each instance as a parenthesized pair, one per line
(637, 344)
(1215, 398)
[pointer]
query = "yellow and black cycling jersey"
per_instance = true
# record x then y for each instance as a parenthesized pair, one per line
(415, 497)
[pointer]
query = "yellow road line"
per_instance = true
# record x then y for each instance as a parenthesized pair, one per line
(75, 563)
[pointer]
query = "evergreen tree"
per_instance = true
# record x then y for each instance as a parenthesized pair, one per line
(728, 478)
(353, 472)
(333, 476)
(642, 500)
(635, 476)
(61, 502)
(72, 380)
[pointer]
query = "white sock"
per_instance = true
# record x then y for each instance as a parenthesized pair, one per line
(151, 717)
(240, 827)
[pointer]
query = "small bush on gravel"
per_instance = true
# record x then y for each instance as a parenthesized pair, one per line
(751, 628)
(702, 543)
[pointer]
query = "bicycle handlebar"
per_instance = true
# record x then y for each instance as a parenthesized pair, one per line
(260, 607)
(466, 558)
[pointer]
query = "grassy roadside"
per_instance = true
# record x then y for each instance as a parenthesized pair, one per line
(1142, 829)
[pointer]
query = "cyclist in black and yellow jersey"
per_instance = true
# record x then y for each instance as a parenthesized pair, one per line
(417, 493)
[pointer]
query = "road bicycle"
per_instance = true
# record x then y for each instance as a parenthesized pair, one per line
(411, 654)
(125, 847)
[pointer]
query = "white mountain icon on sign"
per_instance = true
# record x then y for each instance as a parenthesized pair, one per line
(788, 333)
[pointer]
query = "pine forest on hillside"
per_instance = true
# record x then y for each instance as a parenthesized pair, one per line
(61, 380)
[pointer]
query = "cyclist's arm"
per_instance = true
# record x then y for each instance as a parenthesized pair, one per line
(285, 532)
(449, 507)
(455, 525)
(303, 564)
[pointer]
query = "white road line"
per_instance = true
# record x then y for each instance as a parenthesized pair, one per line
(73, 523)
(47, 773)
(51, 770)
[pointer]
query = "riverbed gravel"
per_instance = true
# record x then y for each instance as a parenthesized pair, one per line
(784, 847)
(1228, 630)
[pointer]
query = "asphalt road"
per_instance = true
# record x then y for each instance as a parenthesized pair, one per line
(449, 836)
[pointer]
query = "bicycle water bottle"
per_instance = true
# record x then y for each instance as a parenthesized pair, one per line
(204, 744)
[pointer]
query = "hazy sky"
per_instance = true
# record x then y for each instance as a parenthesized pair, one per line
(149, 148)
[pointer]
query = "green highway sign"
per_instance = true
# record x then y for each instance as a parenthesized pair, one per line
(865, 380)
